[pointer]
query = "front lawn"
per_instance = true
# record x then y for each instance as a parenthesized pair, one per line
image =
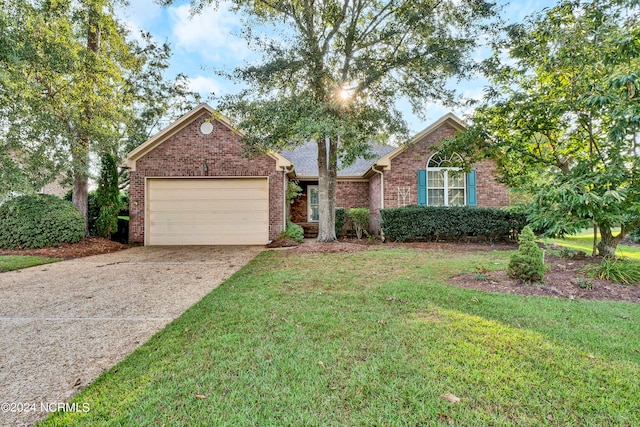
(584, 241)
(375, 338)
(16, 262)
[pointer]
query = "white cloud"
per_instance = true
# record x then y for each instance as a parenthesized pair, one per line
(139, 15)
(210, 34)
(206, 85)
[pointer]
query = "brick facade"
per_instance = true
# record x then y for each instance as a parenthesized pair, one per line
(185, 154)
(349, 194)
(189, 153)
(405, 166)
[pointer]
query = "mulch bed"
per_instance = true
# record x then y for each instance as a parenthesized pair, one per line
(560, 281)
(85, 247)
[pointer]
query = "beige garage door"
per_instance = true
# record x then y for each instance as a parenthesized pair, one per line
(205, 211)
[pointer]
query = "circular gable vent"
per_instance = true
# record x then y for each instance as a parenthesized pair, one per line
(206, 128)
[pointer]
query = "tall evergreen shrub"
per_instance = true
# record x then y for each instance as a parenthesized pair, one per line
(527, 264)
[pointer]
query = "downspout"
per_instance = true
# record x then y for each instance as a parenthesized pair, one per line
(373, 168)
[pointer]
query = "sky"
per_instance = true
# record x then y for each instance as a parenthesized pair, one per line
(210, 41)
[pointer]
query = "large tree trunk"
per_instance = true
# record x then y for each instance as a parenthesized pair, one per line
(80, 153)
(327, 172)
(80, 197)
(608, 242)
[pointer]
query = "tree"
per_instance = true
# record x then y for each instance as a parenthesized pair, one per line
(336, 69)
(64, 87)
(562, 117)
(108, 196)
(71, 87)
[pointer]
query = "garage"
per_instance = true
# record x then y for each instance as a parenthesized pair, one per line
(207, 211)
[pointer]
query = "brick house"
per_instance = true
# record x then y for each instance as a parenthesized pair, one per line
(192, 183)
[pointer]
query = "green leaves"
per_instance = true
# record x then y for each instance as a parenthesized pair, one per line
(38, 221)
(563, 113)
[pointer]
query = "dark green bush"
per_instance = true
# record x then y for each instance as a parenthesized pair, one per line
(635, 235)
(37, 221)
(341, 217)
(451, 222)
(294, 232)
(527, 264)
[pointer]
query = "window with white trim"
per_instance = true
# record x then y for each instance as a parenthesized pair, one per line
(313, 203)
(446, 183)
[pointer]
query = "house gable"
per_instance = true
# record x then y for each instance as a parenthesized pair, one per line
(205, 114)
(183, 151)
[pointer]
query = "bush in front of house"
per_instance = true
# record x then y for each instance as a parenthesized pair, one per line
(37, 221)
(450, 222)
(527, 264)
(359, 218)
(341, 217)
(293, 232)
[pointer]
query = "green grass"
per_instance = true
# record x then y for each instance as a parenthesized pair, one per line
(584, 242)
(16, 262)
(375, 338)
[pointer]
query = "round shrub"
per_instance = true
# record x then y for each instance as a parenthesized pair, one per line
(37, 221)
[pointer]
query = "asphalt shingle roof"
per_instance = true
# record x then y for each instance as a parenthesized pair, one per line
(305, 160)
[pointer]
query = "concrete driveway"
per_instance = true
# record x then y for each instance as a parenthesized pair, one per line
(63, 324)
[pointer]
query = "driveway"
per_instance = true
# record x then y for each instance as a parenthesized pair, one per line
(63, 324)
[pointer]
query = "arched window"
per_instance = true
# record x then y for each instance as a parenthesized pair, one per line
(446, 183)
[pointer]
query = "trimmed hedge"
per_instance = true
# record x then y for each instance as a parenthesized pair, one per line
(450, 222)
(341, 217)
(37, 221)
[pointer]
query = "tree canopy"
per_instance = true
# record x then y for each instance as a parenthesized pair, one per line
(332, 71)
(73, 85)
(562, 117)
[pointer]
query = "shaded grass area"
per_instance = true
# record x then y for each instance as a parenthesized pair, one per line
(375, 338)
(584, 241)
(16, 262)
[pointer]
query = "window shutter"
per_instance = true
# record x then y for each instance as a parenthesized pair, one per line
(471, 189)
(422, 187)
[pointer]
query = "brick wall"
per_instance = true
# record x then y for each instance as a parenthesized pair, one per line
(352, 194)
(404, 167)
(349, 194)
(185, 153)
(374, 203)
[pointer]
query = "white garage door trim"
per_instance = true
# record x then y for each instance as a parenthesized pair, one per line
(206, 211)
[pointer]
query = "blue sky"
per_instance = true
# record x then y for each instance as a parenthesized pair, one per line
(210, 41)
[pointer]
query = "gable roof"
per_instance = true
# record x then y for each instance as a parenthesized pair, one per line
(180, 124)
(305, 160)
(451, 119)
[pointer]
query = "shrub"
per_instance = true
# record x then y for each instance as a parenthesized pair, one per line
(359, 218)
(108, 197)
(341, 216)
(527, 264)
(294, 232)
(451, 222)
(635, 235)
(37, 221)
(619, 270)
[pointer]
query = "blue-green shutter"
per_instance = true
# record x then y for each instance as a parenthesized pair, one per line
(422, 187)
(471, 189)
